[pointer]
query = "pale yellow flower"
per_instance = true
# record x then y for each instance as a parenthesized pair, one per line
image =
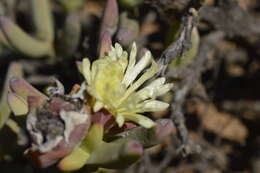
(115, 83)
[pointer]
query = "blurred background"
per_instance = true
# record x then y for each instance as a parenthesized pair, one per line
(217, 74)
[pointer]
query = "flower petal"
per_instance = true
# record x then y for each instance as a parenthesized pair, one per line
(131, 64)
(123, 60)
(97, 106)
(164, 89)
(153, 106)
(148, 74)
(151, 90)
(86, 70)
(112, 53)
(142, 120)
(120, 120)
(119, 50)
(137, 69)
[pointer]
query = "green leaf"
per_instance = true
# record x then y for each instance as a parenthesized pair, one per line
(22, 88)
(79, 156)
(42, 18)
(23, 42)
(17, 104)
(15, 69)
(69, 36)
(74, 161)
(115, 155)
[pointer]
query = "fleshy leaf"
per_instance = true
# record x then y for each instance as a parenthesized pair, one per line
(79, 156)
(74, 161)
(17, 104)
(105, 44)
(149, 137)
(15, 69)
(17, 39)
(110, 18)
(24, 89)
(115, 155)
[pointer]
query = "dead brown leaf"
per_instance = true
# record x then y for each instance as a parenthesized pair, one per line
(222, 124)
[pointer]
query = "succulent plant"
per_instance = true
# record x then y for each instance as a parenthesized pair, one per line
(58, 123)
(130, 3)
(85, 127)
(42, 42)
(71, 6)
(47, 41)
(14, 69)
(99, 124)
